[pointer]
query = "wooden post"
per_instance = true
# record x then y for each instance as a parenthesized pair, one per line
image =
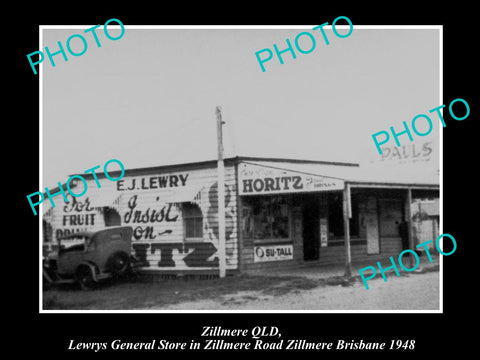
(221, 196)
(346, 230)
(408, 219)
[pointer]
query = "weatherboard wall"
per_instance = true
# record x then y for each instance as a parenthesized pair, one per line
(146, 201)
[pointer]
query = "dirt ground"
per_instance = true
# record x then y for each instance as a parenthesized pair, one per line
(413, 291)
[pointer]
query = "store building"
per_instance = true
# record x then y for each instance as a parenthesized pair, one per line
(279, 213)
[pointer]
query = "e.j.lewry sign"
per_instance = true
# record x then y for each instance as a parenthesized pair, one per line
(152, 182)
(256, 179)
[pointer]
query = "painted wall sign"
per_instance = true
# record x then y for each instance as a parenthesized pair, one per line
(256, 179)
(152, 182)
(273, 253)
(148, 203)
(77, 216)
(150, 217)
(410, 153)
(192, 254)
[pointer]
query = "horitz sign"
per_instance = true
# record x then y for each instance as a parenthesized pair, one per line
(257, 179)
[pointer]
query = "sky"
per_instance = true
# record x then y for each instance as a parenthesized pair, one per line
(149, 98)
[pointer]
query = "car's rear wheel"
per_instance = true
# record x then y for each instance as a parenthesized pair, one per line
(119, 263)
(85, 278)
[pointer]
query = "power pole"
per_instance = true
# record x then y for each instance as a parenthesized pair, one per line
(221, 195)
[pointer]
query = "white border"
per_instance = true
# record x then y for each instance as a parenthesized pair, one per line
(440, 148)
(178, 27)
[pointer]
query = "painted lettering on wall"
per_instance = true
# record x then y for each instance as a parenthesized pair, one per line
(158, 232)
(78, 206)
(152, 182)
(148, 216)
(197, 253)
(78, 219)
(78, 216)
(407, 153)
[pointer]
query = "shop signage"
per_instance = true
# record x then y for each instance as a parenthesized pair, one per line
(152, 182)
(273, 253)
(256, 179)
(408, 153)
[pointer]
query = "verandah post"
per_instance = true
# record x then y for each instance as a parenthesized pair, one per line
(346, 230)
(408, 219)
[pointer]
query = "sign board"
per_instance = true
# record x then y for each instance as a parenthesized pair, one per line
(257, 179)
(273, 253)
(416, 152)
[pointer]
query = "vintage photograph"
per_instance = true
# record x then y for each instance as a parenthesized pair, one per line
(241, 168)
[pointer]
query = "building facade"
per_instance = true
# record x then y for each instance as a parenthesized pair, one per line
(278, 212)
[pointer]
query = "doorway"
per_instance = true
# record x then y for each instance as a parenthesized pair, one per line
(311, 228)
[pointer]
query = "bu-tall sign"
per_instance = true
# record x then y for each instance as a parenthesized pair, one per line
(256, 179)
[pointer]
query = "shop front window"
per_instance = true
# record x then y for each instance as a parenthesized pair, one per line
(193, 220)
(265, 217)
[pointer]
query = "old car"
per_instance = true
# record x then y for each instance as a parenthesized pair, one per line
(89, 257)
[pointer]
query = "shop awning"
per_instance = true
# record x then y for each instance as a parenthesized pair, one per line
(103, 199)
(185, 194)
(48, 215)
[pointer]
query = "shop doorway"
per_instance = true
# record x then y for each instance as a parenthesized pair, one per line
(311, 228)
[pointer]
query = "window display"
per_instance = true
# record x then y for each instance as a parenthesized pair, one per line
(265, 217)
